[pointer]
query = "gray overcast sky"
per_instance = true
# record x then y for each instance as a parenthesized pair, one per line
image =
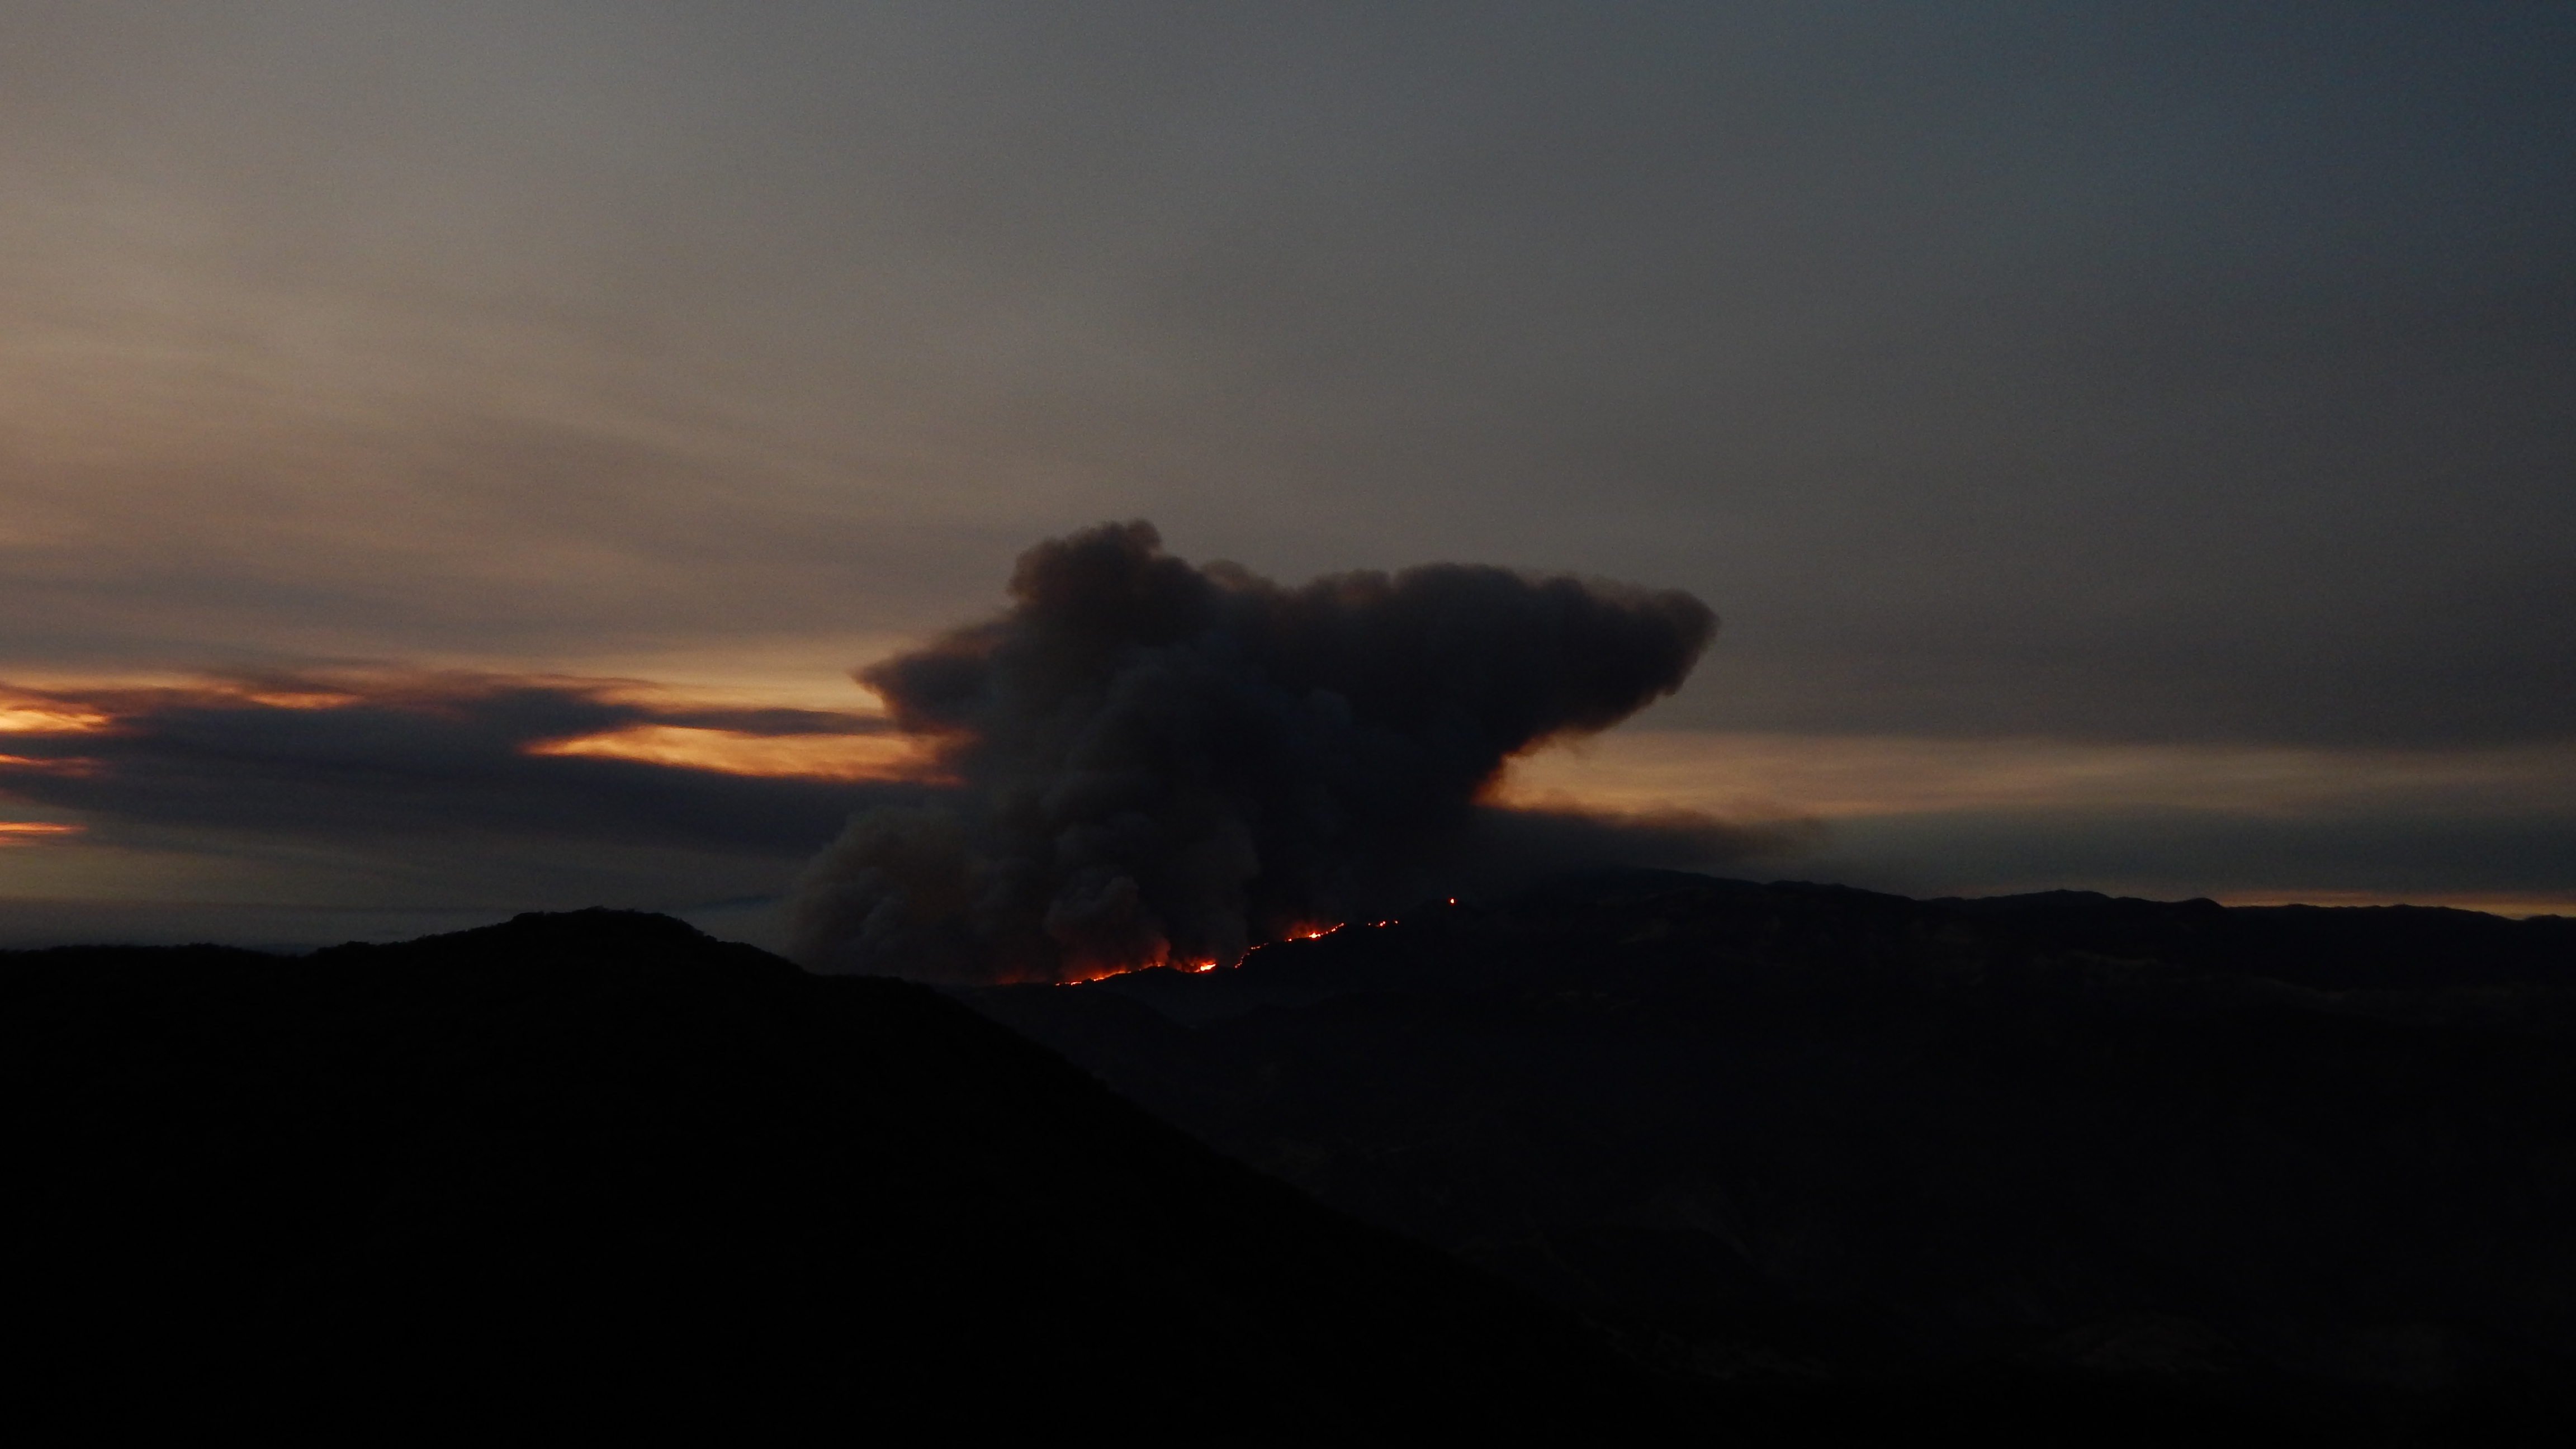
(2152, 375)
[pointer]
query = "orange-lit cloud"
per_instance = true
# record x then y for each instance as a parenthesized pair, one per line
(2477, 828)
(388, 754)
(37, 714)
(641, 719)
(1844, 776)
(300, 698)
(735, 752)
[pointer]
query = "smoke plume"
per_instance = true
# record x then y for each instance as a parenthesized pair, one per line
(1158, 762)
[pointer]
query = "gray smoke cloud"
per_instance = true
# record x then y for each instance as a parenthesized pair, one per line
(1160, 762)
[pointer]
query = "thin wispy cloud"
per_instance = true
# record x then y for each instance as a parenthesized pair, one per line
(395, 754)
(2184, 391)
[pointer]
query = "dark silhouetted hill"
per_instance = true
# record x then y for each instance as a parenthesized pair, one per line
(600, 1170)
(2164, 1168)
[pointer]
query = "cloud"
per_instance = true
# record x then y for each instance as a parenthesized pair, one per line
(408, 754)
(2020, 374)
(1166, 762)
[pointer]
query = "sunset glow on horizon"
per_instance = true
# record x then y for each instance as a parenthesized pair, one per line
(456, 455)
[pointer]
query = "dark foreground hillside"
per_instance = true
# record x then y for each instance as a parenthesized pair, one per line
(601, 1169)
(2280, 1172)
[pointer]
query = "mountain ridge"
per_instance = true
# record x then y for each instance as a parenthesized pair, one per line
(2315, 1154)
(601, 1164)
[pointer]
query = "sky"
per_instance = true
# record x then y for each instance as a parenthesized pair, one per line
(452, 455)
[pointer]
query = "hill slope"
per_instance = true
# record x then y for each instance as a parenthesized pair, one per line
(601, 1167)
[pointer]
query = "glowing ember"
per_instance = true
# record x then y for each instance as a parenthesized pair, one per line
(28, 832)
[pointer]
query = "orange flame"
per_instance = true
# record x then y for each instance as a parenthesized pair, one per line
(1203, 964)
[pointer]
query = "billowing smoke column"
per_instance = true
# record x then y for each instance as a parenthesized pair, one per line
(1159, 762)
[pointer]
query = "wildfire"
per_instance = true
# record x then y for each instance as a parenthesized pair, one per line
(1200, 966)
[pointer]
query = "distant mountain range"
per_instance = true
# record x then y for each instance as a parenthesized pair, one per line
(1711, 1162)
(2312, 1167)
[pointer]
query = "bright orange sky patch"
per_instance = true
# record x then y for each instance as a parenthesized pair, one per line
(827, 757)
(34, 714)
